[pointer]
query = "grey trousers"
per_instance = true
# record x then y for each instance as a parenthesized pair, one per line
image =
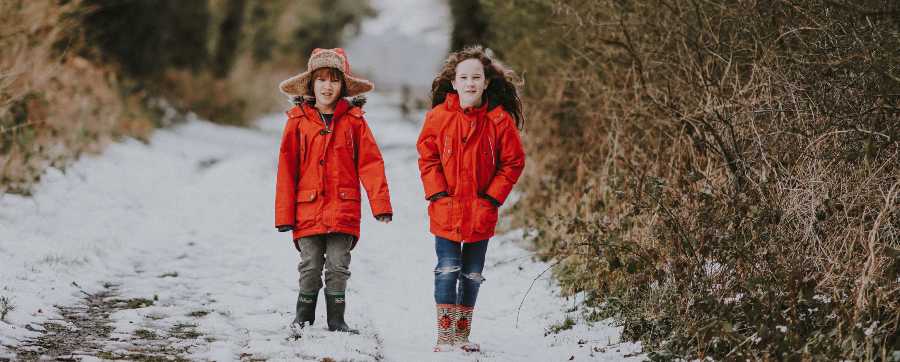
(331, 251)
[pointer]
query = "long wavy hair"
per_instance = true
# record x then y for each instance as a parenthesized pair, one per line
(502, 88)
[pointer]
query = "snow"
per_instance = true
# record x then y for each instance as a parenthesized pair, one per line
(186, 220)
(198, 200)
(404, 45)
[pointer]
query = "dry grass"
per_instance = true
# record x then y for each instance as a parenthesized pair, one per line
(719, 176)
(54, 106)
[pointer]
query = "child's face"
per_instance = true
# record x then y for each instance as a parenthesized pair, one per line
(327, 89)
(469, 82)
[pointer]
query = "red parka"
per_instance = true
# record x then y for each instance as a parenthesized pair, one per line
(467, 154)
(319, 172)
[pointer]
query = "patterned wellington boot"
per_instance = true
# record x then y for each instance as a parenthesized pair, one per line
(306, 314)
(335, 306)
(306, 309)
(446, 327)
(463, 327)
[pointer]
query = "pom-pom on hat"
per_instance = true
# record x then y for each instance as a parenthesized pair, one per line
(296, 86)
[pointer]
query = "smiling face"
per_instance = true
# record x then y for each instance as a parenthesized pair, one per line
(326, 84)
(469, 82)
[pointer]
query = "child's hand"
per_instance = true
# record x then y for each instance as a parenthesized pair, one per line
(385, 218)
(283, 228)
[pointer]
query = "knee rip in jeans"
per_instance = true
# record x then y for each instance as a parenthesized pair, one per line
(445, 270)
(475, 277)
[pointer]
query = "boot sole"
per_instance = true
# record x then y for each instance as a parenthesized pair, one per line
(351, 331)
(444, 348)
(470, 348)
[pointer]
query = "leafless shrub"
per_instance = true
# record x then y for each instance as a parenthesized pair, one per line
(720, 176)
(6, 306)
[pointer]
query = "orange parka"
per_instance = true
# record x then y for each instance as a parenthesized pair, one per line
(468, 153)
(319, 172)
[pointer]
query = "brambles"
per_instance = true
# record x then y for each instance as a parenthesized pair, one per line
(720, 177)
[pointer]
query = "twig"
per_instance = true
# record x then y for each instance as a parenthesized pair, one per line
(860, 9)
(4, 130)
(869, 268)
(519, 310)
(82, 290)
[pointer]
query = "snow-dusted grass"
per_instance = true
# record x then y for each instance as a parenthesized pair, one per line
(186, 221)
(6, 306)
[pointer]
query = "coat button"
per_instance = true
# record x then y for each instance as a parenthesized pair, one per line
(322, 132)
(321, 162)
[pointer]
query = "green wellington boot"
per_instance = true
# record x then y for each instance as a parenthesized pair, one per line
(306, 309)
(336, 304)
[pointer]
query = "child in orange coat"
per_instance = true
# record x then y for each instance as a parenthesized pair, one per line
(470, 157)
(326, 150)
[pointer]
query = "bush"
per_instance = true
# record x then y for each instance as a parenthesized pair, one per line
(147, 37)
(721, 177)
(6, 306)
(54, 105)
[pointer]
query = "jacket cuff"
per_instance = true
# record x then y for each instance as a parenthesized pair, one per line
(429, 197)
(498, 192)
(285, 216)
(381, 206)
(492, 200)
(434, 184)
(431, 191)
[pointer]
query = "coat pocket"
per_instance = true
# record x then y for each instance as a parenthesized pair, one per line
(348, 193)
(349, 206)
(485, 216)
(308, 209)
(439, 213)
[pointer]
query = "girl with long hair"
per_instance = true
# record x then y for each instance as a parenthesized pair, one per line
(470, 157)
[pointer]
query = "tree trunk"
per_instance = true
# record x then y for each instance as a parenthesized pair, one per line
(229, 38)
(470, 25)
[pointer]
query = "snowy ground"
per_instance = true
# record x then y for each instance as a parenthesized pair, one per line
(186, 222)
(168, 249)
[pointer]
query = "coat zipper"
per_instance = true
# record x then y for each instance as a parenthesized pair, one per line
(491, 144)
(353, 145)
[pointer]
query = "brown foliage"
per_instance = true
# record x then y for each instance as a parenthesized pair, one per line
(76, 74)
(721, 177)
(53, 105)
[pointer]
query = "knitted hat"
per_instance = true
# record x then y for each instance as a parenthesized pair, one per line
(296, 86)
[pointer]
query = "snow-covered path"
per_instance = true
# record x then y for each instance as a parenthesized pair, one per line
(187, 220)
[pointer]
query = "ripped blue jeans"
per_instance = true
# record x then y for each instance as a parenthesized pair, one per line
(457, 275)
